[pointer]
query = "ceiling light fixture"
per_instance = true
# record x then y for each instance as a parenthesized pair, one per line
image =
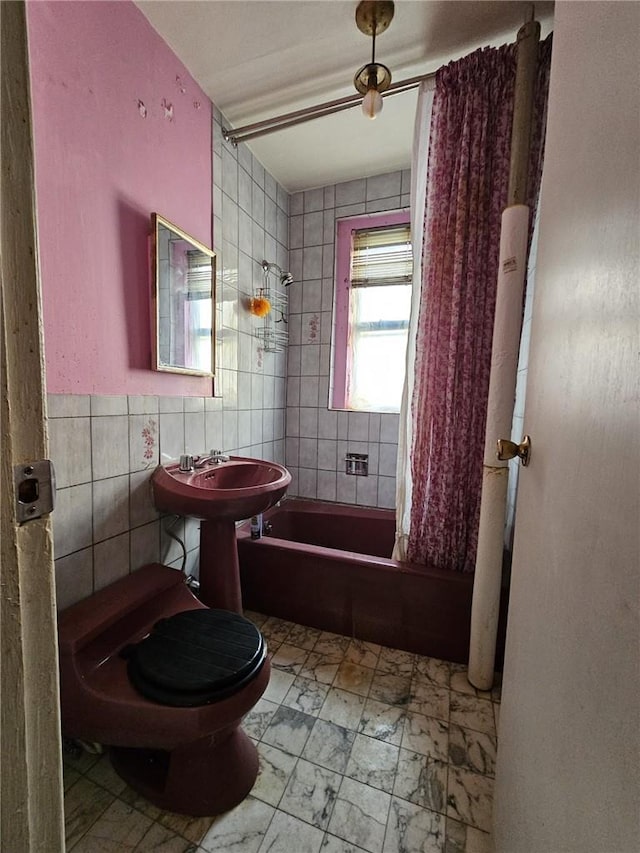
(373, 17)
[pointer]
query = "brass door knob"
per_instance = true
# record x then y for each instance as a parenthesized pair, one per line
(509, 450)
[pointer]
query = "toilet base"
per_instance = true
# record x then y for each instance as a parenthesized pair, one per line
(199, 779)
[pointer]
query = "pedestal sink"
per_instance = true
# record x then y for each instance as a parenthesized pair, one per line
(220, 494)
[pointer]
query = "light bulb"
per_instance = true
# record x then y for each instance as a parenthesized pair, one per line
(372, 103)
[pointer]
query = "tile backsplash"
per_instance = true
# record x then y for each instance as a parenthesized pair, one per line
(104, 450)
(319, 438)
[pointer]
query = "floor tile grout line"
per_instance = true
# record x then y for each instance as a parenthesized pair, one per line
(376, 671)
(343, 776)
(447, 763)
(366, 784)
(373, 739)
(104, 757)
(272, 818)
(93, 823)
(391, 794)
(387, 822)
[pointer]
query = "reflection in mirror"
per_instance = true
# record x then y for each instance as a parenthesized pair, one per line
(183, 290)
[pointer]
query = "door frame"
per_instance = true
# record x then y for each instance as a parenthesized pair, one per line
(31, 782)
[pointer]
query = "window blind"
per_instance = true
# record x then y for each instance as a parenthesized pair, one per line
(199, 271)
(381, 256)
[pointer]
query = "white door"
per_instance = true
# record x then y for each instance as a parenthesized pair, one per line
(31, 777)
(568, 758)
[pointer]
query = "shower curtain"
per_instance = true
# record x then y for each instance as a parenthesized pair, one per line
(444, 413)
(419, 163)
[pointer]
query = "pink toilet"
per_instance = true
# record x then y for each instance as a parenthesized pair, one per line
(162, 680)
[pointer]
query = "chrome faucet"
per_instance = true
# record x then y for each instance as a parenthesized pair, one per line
(214, 458)
(187, 463)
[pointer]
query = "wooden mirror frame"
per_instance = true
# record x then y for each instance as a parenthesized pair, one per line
(172, 292)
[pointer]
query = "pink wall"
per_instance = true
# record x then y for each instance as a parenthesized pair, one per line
(101, 169)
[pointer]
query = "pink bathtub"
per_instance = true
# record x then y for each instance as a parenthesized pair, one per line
(329, 566)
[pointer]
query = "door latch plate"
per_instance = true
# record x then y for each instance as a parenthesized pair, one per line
(35, 489)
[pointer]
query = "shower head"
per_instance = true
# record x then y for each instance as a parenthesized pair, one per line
(285, 277)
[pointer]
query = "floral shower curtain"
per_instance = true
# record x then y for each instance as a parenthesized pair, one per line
(419, 164)
(468, 171)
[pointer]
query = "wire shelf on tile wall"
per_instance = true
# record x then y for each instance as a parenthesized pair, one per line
(274, 332)
(272, 339)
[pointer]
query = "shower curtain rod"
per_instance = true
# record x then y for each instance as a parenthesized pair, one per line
(270, 125)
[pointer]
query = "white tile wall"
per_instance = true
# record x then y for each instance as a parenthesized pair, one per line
(70, 444)
(110, 560)
(74, 577)
(251, 381)
(313, 452)
(110, 507)
(109, 445)
(105, 524)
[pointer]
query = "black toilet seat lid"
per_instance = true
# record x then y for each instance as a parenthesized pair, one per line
(196, 657)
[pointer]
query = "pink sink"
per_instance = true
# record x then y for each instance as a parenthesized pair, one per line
(231, 490)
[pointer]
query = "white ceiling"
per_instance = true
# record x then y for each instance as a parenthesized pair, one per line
(260, 58)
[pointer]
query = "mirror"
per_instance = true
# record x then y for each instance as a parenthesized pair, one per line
(183, 272)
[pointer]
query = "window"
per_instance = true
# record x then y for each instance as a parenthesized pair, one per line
(197, 309)
(371, 311)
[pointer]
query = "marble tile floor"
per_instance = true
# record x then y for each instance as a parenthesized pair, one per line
(363, 749)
